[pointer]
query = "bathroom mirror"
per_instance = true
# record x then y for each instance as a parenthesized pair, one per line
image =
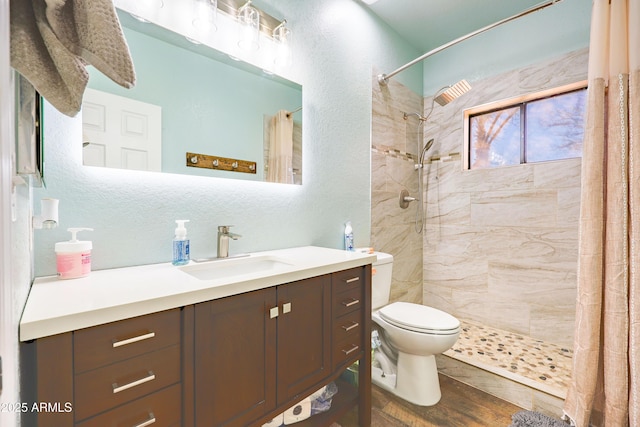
(193, 110)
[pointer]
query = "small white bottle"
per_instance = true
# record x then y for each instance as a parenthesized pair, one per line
(348, 237)
(73, 258)
(181, 244)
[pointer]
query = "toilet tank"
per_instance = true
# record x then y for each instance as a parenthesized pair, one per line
(381, 280)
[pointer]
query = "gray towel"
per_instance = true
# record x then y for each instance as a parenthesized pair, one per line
(53, 40)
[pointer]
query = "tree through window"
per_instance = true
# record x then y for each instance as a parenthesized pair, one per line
(550, 127)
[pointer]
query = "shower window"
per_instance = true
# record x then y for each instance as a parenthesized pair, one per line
(535, 128)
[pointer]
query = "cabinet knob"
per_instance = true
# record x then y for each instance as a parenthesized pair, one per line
(286, 308)
(273, 312)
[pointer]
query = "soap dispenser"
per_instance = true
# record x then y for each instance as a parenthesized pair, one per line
(73, 258)
(181, 244)
(348, 237)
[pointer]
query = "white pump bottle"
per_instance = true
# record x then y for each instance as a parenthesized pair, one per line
(181, 244)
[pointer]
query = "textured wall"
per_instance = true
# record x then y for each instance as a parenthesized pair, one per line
(394, 148)
(133, 213)
(500, 245)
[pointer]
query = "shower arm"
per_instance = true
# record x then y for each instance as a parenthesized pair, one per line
(383, 79)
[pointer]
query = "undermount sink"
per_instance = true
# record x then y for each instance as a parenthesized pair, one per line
(222, 268)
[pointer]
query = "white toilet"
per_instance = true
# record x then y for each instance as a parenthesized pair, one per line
(410, 337)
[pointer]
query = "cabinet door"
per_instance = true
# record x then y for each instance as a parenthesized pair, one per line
(304, 336)
(235, 359)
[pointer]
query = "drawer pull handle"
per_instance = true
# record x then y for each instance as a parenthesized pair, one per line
(118, 389)
(151, 420)
(351, 350)
(350, 327)
(350, 303)
(120, 343)
(353, 279)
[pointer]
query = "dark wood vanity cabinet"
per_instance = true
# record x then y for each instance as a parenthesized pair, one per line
(259, 353)
(121, 373)
(259, 350)
(234, 361)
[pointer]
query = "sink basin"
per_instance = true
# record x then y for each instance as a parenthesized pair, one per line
(231, 267)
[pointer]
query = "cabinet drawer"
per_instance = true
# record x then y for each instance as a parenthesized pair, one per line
(122, 382)
(346, 280)
(113, 342)
(346, 302)
(347, 326)
(347, 351)
(160, 409)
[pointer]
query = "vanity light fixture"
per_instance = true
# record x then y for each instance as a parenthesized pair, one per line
(249, 19)
(282, 43)
(204, 15)
(146, 8)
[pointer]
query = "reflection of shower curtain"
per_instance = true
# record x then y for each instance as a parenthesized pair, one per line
(280, 168)
(605, 384)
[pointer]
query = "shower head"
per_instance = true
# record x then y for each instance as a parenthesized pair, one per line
(428, 145)
(452, 92)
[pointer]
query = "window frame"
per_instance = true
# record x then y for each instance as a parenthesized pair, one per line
(517, 101)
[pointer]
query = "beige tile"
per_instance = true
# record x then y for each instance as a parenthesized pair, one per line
(378, 171)
(448, 208)
(554, 322)
(547, 404)
(542, 284)
(569, 207)
(557, 174)
(437, 296)
(517, 209)
(451, 270)
(568, 68)
(495, 385)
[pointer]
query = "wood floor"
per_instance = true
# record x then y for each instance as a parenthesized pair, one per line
(460, 406)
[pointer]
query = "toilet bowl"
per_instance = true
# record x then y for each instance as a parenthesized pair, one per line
(410, 335)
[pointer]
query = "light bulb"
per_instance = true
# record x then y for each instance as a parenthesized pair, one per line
(249, 19)
(282, 43)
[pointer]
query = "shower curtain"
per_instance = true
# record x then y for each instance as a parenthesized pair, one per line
(606, 367)
(280, 157)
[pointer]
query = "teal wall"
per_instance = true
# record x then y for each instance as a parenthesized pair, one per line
(548, 33)
(337, 44)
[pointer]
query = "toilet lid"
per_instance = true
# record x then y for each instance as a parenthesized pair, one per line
(420, 318)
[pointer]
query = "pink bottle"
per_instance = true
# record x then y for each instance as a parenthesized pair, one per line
(73, 258)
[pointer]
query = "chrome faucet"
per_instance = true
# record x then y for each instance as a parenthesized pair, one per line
(223, 240)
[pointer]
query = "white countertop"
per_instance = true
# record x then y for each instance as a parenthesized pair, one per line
(55, 306)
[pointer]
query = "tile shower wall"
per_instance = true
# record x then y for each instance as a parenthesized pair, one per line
(394, 145)
(500, 245)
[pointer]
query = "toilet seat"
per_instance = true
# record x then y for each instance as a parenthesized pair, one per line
(420, 318)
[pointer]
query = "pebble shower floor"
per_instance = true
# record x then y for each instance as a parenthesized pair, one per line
(541, 365)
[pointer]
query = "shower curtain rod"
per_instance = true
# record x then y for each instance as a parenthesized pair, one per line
(290, 113)
(383, 79)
